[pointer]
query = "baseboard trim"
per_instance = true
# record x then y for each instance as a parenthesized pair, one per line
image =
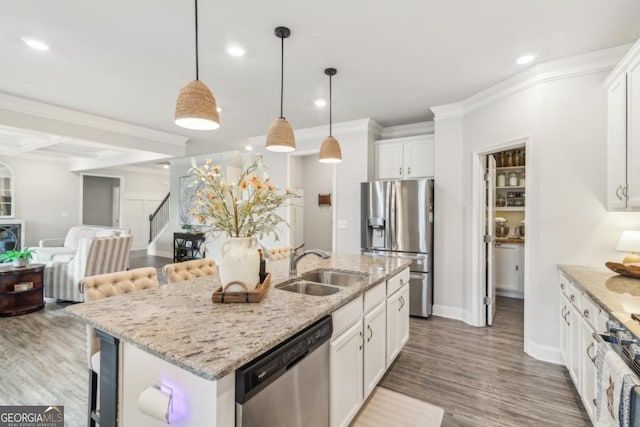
(163, 254)
(509, 293)
(545, 353)
(448, 312)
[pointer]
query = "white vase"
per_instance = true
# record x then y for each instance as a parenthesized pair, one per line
(240, 261)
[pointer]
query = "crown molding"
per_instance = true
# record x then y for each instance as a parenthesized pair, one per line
(574, 66)
(53, 112)
(320, 132)
(413, 129)
(623, 65)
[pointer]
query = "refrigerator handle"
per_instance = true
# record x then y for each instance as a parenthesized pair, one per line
(392, 215)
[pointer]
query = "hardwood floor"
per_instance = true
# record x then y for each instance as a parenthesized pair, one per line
(482, 377)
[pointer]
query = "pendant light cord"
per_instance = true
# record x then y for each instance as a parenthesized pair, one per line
(281, 76)
(330, 107)
(197, 67)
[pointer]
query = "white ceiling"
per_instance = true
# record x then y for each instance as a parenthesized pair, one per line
(126, 60)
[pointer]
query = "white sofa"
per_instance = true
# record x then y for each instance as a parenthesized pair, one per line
(63, 249)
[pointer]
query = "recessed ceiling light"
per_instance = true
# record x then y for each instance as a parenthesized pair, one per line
(219, 109)
(235, 50)
(35, 44)
(165, 166)
(320, 103)
(525, 59)
(248, 148)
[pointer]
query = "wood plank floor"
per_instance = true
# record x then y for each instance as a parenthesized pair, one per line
(482, 377)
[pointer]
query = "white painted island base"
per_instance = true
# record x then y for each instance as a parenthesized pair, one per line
(196, 401)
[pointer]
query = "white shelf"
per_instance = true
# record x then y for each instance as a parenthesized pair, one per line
(510, 209)
(510, 168)
(510, 187)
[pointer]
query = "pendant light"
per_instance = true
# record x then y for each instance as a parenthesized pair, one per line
(330, 148)
(196, 107)
(280, 135)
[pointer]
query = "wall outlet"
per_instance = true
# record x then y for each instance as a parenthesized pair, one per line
(65, 215)
(343, 223)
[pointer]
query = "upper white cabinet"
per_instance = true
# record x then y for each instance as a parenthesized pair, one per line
(623, 133)
(405, 158)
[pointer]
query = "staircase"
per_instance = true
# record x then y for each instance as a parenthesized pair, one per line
(159, 218)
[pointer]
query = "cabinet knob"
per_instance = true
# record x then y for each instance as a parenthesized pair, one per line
(400, 171)
(586, 312)
(561, 285)
(409, 170)
(573, 298)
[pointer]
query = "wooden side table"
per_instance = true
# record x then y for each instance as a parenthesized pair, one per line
(14, 302)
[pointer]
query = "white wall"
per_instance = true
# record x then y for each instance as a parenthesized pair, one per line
(48, 195)
(318, 221)
(567, 223)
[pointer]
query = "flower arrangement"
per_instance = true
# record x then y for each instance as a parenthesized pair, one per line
(243, 207)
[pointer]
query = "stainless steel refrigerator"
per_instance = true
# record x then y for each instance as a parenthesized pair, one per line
(397, 221)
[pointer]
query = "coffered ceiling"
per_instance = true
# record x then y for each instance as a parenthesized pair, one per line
(126, 60)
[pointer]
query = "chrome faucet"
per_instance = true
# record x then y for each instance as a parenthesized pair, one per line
(294, 257)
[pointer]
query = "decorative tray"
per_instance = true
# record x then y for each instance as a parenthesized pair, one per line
(224, 297)
(629, 270)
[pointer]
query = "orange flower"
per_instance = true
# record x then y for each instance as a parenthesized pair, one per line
(243, 185)
(201, 219)
(212, 196)
(271, 187)
(216, 169)
(208, 162)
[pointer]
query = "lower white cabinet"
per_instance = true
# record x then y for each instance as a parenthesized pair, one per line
(509, 269)
(397, 322)
(346, 375)
(588, 366)
(374, 346)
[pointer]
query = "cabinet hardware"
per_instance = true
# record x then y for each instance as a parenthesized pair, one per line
(498, 244)
(562, 313)
(400, 172)
(592, 358)
(586, 312)
(361, 340)
(618, 192)
(370, 333)
(562, 286)
(401, 301)
(409, 170)
(572, 298)
(516, 268)
(624, 191)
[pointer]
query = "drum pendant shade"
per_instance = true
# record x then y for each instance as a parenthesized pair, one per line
(280, 136)
(330, 149)
(196, 106)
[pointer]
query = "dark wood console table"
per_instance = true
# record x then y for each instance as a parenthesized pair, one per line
(14, 302)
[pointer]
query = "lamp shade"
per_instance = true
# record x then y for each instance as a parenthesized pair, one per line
(196, 107)
(330, 151)
(280, 136)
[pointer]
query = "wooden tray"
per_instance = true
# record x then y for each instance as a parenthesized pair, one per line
(219, 296)
(628, 270)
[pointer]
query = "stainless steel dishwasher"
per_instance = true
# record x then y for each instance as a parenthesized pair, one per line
(288, 385)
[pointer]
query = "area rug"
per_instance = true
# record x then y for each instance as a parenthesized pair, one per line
(386, 408)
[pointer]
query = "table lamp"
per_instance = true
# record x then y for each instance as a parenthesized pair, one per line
(630, 242)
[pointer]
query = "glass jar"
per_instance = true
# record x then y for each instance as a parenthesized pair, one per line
(521, 180)
(508, 160)
(513, 179)
(501, 180)
(524, 158)
(517, 160)
(499, 159)
(501, 202)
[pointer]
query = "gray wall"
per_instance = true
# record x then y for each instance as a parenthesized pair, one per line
(318, 221)
(97, 200)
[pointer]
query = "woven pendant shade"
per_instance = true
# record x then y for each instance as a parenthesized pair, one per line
(280, 136)
(330, 151)
(196, 107)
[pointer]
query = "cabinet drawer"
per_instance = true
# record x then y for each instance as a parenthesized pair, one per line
(573, 294)
(564, 284)
(394, 283)
(374, 297)
(346, 316)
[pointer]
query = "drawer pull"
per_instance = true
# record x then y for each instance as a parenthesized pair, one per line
(592, 358)
(370, 333)
(586, 312)
(562, 313)
(618, 192)
(562, 286)
(361, 340)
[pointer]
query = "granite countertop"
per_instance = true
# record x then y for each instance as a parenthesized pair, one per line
(618, 295)
(180, 324)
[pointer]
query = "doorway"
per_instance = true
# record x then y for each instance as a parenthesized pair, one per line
(499, 213)
(101, 200)
(312, 216)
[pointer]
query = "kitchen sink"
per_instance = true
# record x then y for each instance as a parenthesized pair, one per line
(334, 277)
(308, 288)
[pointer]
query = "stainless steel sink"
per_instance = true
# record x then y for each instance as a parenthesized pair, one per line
(308, 288)
(334, 277)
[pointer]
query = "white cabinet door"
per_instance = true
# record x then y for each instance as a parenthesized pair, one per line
(397, 322)
(346, 375)
(617, 144)
(374, 347)
(565, 350)
(506, 260)
(587, 354)
(418, 158)
(633, 135)
(389, 160)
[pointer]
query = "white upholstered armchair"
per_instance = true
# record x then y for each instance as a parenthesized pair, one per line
(99, 255)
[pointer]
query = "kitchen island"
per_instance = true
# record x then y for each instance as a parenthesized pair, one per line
(176, 337)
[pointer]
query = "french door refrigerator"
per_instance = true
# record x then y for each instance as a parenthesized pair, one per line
(397, 221)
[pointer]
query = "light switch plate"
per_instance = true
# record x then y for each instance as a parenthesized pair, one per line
(343, 223)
